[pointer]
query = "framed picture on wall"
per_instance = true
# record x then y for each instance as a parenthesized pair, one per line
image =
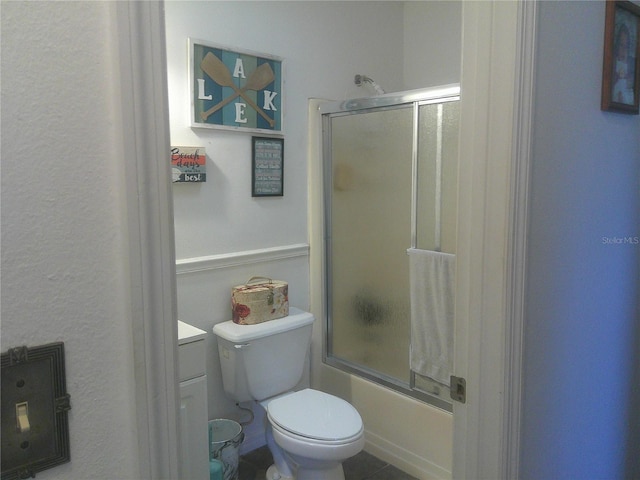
(235, 89)
(621, 66)
(267, 172)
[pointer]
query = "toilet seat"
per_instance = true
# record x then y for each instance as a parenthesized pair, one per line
(316, 416)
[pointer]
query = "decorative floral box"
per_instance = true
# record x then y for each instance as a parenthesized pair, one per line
(259, 300)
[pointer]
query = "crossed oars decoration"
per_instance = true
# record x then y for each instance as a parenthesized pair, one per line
(257, 80)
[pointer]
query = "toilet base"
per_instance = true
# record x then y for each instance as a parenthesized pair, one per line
(274, 474)
(335, 473)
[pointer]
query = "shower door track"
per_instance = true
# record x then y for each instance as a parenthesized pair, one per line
(387, 381)
(410, 99)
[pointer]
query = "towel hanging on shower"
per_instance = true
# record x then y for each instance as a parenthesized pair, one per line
(432, 292)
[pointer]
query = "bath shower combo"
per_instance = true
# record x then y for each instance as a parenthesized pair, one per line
(390, 190)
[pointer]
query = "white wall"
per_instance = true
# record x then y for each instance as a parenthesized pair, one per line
(580, 341)
(432, 43)
(64, 267)
(324, 45)
(321, 58)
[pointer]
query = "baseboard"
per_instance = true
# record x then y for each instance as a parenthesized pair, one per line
(403, 459)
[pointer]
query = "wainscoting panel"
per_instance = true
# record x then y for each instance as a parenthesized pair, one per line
(204, 298)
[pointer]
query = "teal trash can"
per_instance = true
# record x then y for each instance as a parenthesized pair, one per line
(215, 469)
(225, 438)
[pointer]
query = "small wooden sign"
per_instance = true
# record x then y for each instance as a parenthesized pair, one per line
(188, 164)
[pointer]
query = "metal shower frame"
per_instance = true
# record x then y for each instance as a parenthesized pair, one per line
(329, 110)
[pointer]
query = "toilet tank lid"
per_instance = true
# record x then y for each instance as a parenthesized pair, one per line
(235, 333)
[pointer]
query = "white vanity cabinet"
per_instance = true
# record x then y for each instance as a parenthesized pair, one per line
(194, 415)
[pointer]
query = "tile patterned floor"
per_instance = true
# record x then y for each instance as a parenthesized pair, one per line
(364, 466)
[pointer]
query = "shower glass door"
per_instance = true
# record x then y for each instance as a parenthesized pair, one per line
(388, 161)
(370, 233)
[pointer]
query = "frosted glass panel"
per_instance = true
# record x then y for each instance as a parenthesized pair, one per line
(437, 176)
(370, 233)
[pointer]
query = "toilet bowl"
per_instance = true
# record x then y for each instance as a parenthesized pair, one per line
(315, 432)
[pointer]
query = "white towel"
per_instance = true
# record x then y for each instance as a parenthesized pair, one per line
(432, 285)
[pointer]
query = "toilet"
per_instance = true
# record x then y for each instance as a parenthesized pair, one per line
(310, 433)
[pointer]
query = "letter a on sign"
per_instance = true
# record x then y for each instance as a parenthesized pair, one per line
(238, 72)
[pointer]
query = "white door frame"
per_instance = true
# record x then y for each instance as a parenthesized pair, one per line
(145, 129)
(497, 86)
(495, 133)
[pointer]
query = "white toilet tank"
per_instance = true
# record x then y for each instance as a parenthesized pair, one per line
(263, 360)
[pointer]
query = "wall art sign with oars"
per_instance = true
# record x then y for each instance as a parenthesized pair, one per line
(234, 89)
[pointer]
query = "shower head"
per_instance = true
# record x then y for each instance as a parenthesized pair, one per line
(362, 79)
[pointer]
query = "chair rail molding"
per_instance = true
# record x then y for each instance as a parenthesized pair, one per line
(237, 259)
